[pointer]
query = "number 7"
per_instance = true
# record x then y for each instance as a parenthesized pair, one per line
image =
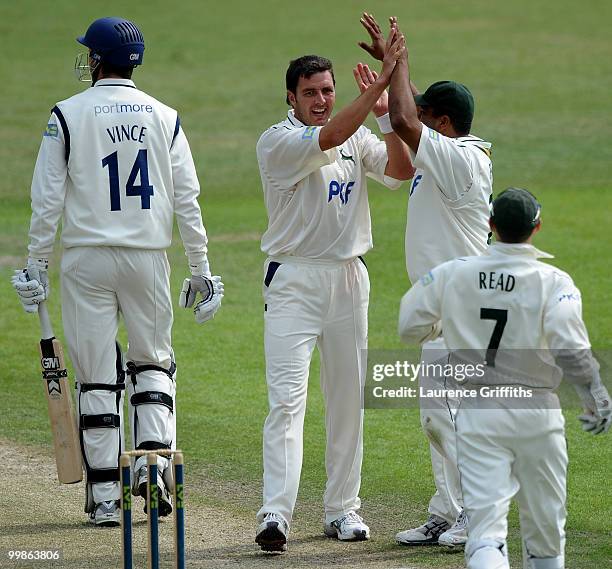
(501, 318)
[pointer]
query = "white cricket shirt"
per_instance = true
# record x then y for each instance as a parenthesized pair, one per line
(448, 207)
(535, 307)
(317, 200)
(116, 165)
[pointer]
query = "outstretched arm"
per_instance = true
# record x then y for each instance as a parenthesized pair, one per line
(402, 108)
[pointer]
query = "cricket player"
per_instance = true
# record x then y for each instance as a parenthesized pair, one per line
(448, 210)
(114, 164)
(524, 318)
(313, 170)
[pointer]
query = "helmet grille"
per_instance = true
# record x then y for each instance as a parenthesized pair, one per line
(128, 33)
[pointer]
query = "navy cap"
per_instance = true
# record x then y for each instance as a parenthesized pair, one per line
(115, 40)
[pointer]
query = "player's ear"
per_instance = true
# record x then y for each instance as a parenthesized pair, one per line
(493, 229)
(537, 227)
(445, 124)
(291, 99)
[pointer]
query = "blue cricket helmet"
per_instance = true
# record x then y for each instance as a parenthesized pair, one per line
(115, 40)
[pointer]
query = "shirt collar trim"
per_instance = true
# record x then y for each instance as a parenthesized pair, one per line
(115, 82)
(524, 249)
(293, 119)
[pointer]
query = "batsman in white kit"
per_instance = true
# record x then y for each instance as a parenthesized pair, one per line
(115, 166)
(316, 287)
(524, 318)
(448, 211)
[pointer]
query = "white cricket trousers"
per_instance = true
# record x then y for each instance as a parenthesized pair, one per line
(503, 453)
(99, 283)
(437, 420)
(310, 302)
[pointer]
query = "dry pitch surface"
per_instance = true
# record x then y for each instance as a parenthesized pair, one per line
(39, 514)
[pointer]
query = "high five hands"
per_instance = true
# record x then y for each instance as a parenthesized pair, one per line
(377, 48)
(388, 51)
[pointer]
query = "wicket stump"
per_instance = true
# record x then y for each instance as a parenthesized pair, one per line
(152, 507)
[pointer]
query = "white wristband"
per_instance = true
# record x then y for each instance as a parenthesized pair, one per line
(384, 124)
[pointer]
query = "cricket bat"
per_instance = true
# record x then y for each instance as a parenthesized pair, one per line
(59, 399)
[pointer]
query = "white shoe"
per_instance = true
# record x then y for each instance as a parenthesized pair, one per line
(427, 534)
(456, 536)
(272, 533)
(349, 527)
(106, 514)
(164, 501)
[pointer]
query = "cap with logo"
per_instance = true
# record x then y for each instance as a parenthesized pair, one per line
(516, 210)
(449, 98)
(114, 40)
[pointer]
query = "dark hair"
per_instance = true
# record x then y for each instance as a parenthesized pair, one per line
(121, 71)
(513, 234)
(306, 66)
(461, 128)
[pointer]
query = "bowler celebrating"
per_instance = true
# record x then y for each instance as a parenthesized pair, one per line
(313, 170)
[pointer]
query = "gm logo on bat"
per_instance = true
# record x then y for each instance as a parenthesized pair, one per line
(50, 363)
(340, 189)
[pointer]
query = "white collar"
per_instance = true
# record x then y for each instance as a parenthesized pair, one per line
(293, 119)
(525, 249)
(112, 81)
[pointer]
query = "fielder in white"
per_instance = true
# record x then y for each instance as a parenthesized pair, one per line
(524, 317)
(316, 286)
(448, 211)
(115, 166)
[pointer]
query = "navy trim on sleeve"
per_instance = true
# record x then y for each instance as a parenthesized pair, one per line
(176, 130)
(64, 126)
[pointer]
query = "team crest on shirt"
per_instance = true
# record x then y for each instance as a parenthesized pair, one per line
(434, 134)
(309, 132)
(51, 130)
(427, 279)
(347, 157)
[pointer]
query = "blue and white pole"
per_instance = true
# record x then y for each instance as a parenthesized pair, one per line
(153, 511)
(126, 510)
(179, 511)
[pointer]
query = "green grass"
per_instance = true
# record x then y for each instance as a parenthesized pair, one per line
(541, 74)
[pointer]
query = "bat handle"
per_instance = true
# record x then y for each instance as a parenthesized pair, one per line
(45, 321)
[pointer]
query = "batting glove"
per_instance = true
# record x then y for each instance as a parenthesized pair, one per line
(32, 284)
(211, 290)
(37, 270)
(599, 419)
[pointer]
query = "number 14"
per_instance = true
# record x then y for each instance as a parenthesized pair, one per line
(140, 167)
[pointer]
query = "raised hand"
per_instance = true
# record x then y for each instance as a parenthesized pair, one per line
(395, 48)
(365, 77)
(393, 24)
(377, 48)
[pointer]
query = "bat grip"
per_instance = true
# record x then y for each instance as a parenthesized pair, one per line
(45, 322)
